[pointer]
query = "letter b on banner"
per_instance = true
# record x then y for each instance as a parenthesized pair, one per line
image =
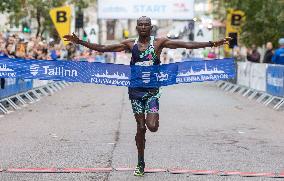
(61, 18)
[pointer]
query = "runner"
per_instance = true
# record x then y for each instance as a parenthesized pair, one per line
(146, 51)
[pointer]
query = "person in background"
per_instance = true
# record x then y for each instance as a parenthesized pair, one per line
(52, 52)
(71, 51)
(183, 55)
(114, 55)
(21, 49)
(253, 55)
(2, 46)
(212, 54)
(2, 49)
(237, 54)
(125, 33)
(269, 53)
(278, 57)
(2, 83)
(205, 52)
(10, 51)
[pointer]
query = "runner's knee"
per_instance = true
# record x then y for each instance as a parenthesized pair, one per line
(153, 125)
(152, 121)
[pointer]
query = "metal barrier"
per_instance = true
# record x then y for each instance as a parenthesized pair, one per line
(261, 82)
(19, 92)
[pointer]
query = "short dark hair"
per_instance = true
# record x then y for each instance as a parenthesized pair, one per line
(144, 18)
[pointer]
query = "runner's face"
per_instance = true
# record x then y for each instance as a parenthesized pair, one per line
(144, 27)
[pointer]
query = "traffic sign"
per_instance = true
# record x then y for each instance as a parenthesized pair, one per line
(61, 18)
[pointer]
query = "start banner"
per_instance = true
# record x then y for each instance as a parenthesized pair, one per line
(119, 75)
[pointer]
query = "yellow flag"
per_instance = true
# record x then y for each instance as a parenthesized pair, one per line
(234, 22)
(61, 18)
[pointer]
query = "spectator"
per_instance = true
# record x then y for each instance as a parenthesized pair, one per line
(53, 54)
(278, 57)
(2, 51)
(71, 51)
(114, 55)
(183, 55)
(237, 54)
(164, 57)
(10, 52)
(15, 46)
(2, 46)
(125, 33)
(212, 54)
(21, 49)
(2, 83)
(269, 53)
(253, 55)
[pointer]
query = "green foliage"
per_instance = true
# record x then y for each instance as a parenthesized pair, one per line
(25, 11)
(264, 19)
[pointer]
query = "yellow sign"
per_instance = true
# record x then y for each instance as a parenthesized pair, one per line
(61, 18)
(234, 21)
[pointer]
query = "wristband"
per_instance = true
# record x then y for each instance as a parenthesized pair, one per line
(212, 44)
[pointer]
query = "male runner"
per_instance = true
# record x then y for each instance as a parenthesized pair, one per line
(146, 51)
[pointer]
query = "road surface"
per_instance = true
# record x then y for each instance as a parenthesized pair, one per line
(91, 126)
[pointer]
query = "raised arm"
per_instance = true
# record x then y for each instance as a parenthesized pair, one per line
(193, 45)
(100, 48)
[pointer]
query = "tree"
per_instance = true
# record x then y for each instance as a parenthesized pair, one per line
(25, 11)
(264, 19)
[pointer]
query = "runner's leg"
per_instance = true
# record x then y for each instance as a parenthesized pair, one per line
(152, 117)
(138, 107)
(140, 135)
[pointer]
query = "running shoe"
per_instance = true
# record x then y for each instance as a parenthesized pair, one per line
(139, 170)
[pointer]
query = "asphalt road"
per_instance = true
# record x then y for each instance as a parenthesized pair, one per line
(87, 126)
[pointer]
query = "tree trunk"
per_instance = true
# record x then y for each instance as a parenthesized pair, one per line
(38, 21)
(43, 30)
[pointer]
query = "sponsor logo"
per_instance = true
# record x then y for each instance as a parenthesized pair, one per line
(275, 81)
(201, 75)
(204, 71)
(111, 79)
(161, 76)
(4, 68)
(60, 71)
(112, 76)
(146, 77)
(34, 69)
(201, 78)
(6, 72)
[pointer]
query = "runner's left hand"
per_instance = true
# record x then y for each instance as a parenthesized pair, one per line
(222, 42)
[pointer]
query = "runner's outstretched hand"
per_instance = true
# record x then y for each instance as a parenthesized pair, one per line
(73, 38)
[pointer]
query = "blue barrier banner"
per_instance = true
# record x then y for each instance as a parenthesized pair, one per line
(275, 80)
(15, 86)
(119, 75)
